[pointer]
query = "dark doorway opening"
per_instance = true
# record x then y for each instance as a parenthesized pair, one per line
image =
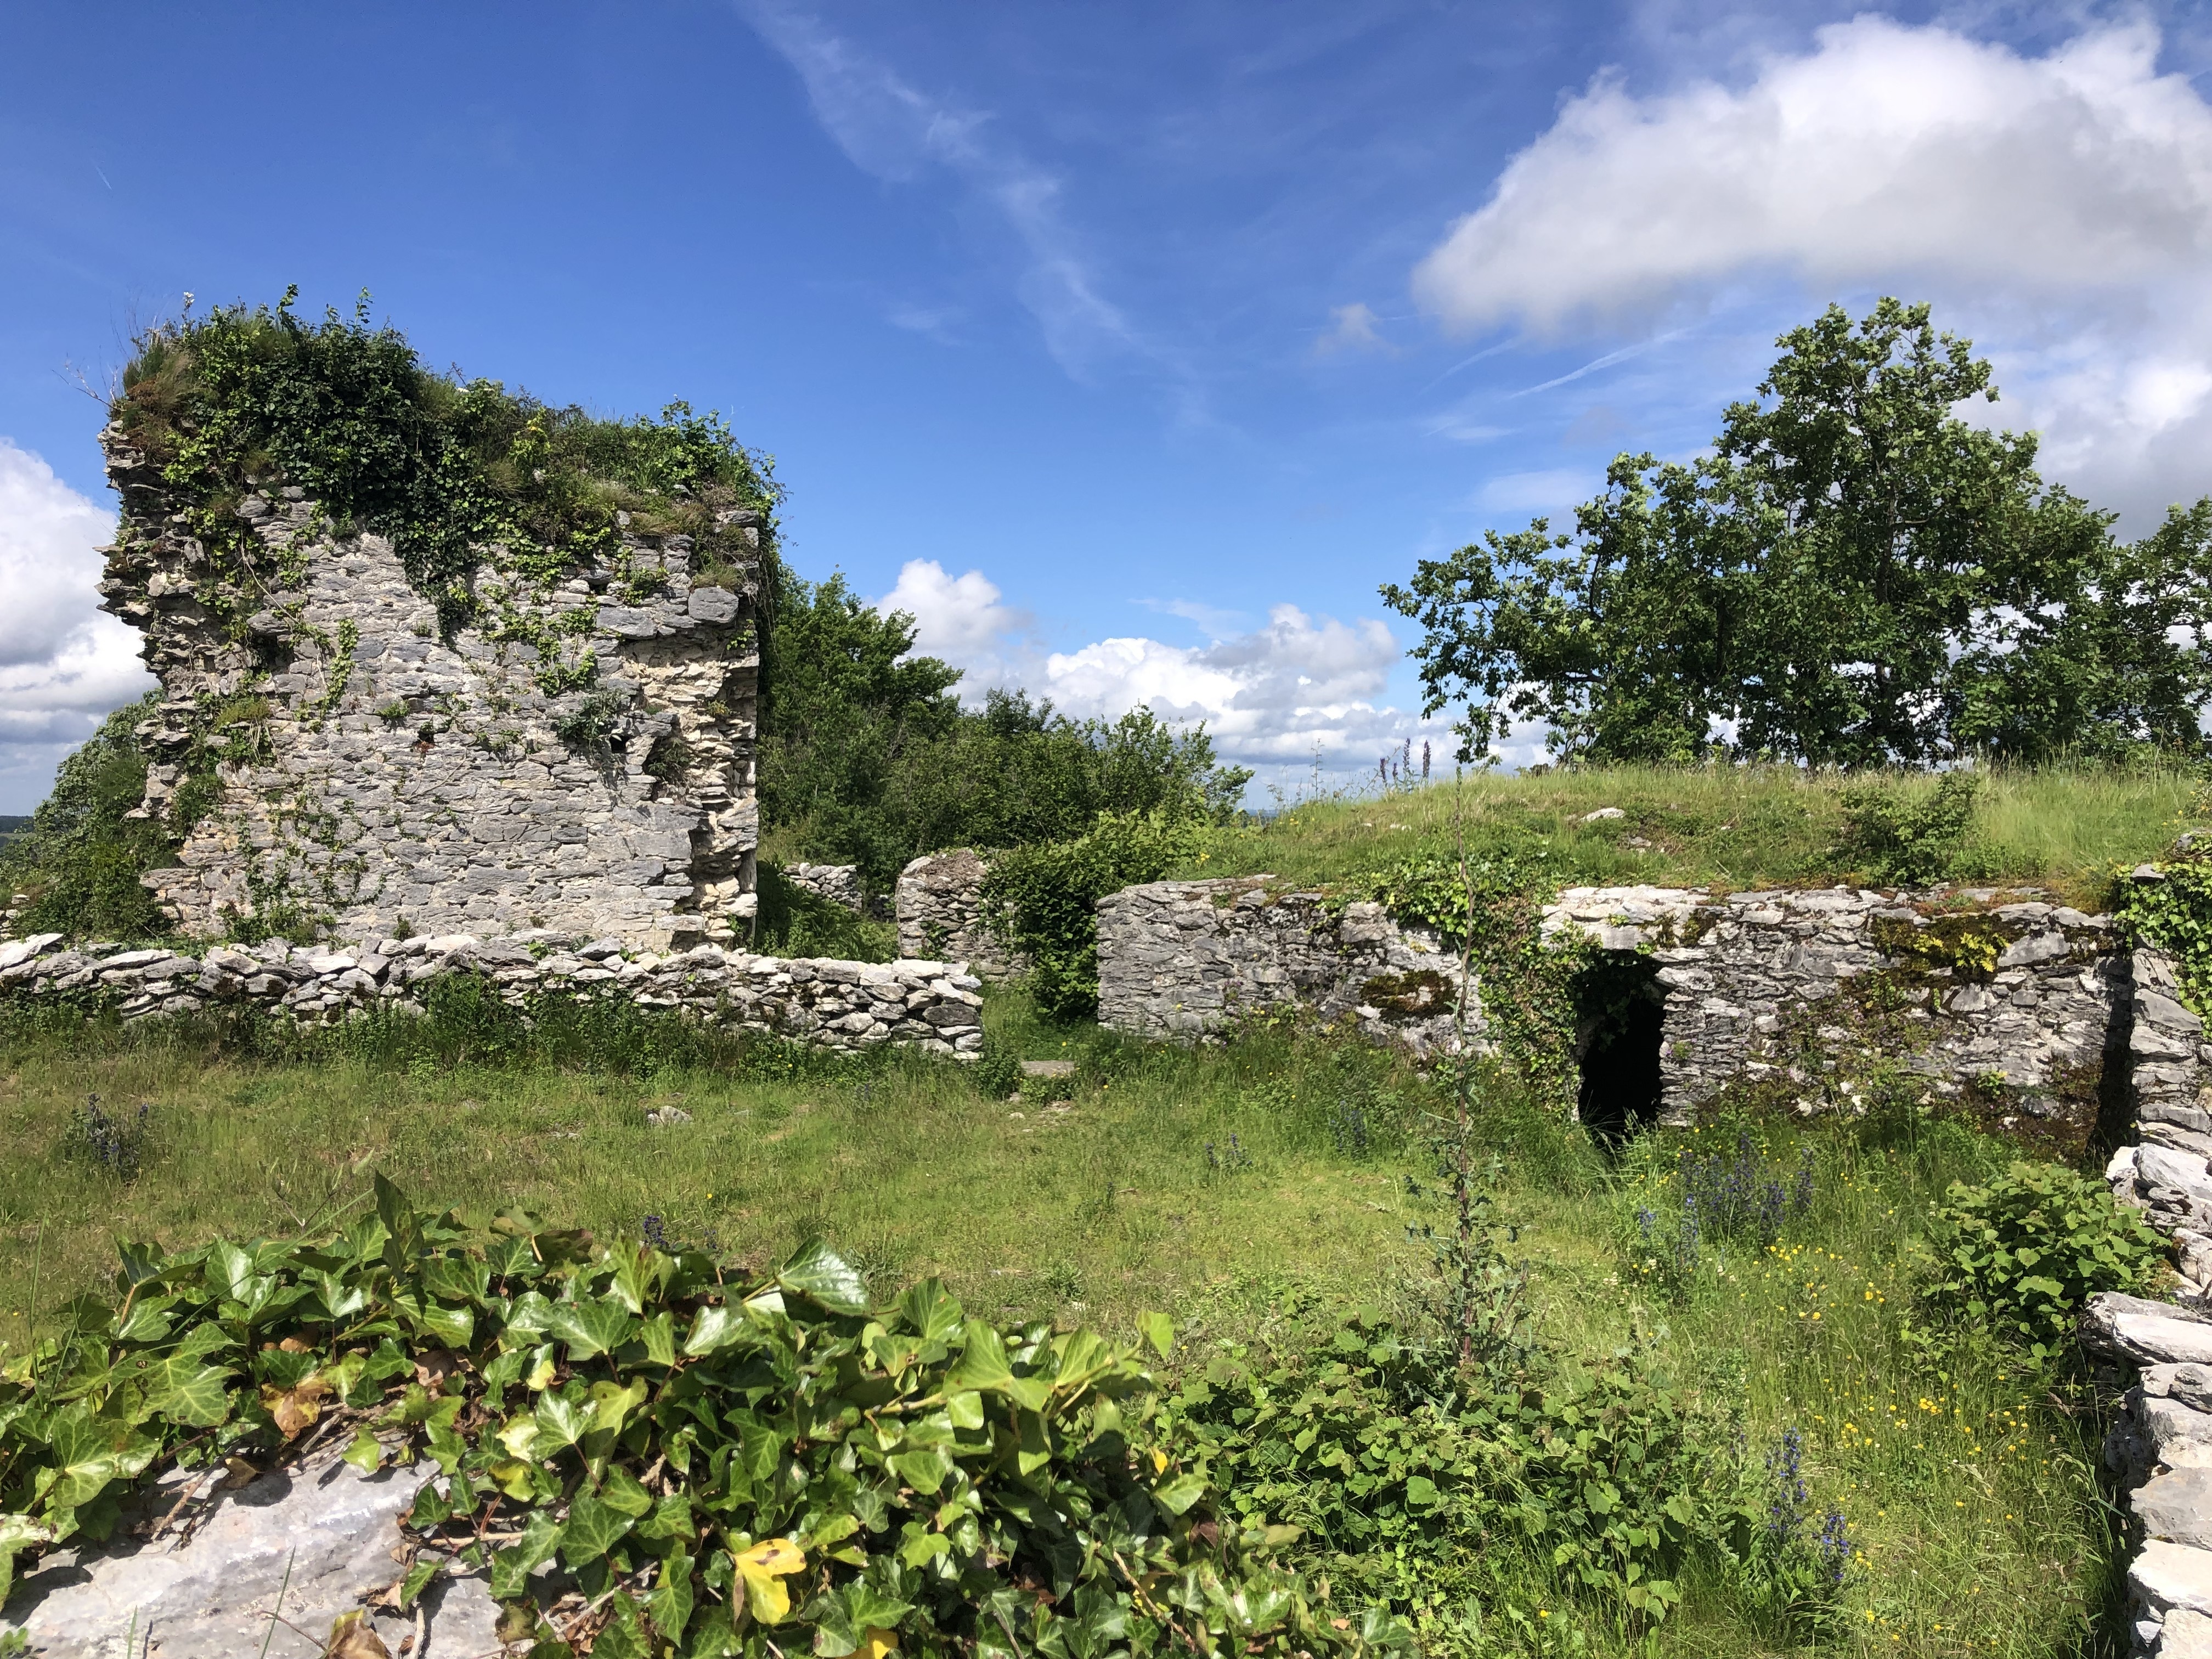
(1619, 1015)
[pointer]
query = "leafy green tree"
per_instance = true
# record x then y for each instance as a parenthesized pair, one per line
(1855, 575)
(81, 858)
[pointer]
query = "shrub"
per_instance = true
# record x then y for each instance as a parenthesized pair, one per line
(1418, 1484)
(81, 857)
(2021, 1255)
(1913, 837)
(1043, 900)
(998, 1070)
(2175, 914)
(722, 1465)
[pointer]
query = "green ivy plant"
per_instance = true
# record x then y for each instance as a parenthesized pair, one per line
(718, 1464)
(2174, 913)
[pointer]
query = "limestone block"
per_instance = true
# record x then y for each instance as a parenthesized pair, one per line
(2176, 1506)
(2146, 1332)
(2168, 1576)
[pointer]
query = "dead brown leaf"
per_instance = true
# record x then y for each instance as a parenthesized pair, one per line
(237, 1473)
(434, 1366)
(296, 1408)
(352, 1637)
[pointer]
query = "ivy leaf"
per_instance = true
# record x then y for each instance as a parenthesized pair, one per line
(560, 1422)
(188, 1392)
(591, 1529)
(824, 1278)
(366, 1453)
(982, 1364)
(764, 1567)
(511, 1568)
(622, 1493)
(924, 1470)
(658, 1335)
(932, 1311)
(590, 1328)
(418, 1575)
(713, 1329)
(89, 1452)
(18, 1532)
(1180, 1494)
(670, 1605)
(1159, 1330)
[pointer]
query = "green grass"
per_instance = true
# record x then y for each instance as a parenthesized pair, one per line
(1737, 828)
(1970, 1489)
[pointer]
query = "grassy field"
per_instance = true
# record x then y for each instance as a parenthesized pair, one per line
(1738, 828)
(1213, 1185)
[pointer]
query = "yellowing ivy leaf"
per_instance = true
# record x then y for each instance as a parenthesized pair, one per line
(764, 1567)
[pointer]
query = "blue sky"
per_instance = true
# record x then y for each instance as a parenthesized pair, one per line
(1129, 346)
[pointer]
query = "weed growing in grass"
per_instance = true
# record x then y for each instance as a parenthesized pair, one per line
(113, 1143)
(1232, 1159)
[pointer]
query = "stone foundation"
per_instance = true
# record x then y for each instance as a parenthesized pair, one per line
(853, 1006)
(1185, 959)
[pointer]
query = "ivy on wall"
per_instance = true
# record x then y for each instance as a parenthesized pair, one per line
(241, 400)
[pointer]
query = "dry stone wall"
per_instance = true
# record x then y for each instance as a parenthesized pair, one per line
(853, 1006)
(1182, 960)
(578, 758)
(938, 903)
(2025, 990)
(840, 884)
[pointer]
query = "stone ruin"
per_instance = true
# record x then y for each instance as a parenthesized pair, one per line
(579, 759)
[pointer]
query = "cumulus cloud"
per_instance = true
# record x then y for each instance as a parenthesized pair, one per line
(2059, 207)
(63, 663)
(1298, 688)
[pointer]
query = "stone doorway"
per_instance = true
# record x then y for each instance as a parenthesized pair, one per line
(1619, 1015)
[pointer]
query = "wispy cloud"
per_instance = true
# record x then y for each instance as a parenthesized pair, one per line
(894, 130)
(1353, 329)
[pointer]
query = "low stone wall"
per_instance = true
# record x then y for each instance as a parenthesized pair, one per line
(838, 883)
(932, 1006)
(938, 903)
(2038, 1012)
(1182, 959)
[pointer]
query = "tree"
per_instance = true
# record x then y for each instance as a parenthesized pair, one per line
(82, 855)
(1854, 576)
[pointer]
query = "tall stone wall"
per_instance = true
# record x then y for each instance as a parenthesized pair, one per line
(580, 758)
(1183, 959)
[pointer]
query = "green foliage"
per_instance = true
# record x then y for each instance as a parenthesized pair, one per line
(593, 722)
(1044, 900)
(1910, 837)
(2175, 913)
(796, 921)
(869, 759)
(254, 399)
(1421, 1486)
(82, 855)
(998, 1069)
(2020, 1254)
(743, 1465)
(1490, 906)
(1854, 576)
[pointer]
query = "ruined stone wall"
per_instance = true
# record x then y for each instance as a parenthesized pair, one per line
(1182, 959)
(851, 1005)
(2035, 1003)
(840, 884)
(938, 903)
(578, 758)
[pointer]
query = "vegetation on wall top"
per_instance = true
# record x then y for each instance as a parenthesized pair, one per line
(245, 399)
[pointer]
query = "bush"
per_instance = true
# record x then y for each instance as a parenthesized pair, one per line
(2175, 914)
(1043, 900)
(2021, 1255)
(998, 1070)
(1911, 837)
(1418, 1486)
(797, 921)
(722, 1465)
(81, 855)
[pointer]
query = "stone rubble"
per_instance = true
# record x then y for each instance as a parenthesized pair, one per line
(930, 1005)
(838, 883)
(2161, 1450)
(1184, 959)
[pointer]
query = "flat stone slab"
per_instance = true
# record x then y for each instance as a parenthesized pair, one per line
(333, 1529)
(2177, 1507)
(2148, 1333)
(2167, 1576)
(2186, 1634)
(1047, 1068)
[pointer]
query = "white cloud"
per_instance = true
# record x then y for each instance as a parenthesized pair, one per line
(63, 663)
(1554, 489)
(1353, 330)
(960, 618)
(1296, 688)
(2058, 208)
